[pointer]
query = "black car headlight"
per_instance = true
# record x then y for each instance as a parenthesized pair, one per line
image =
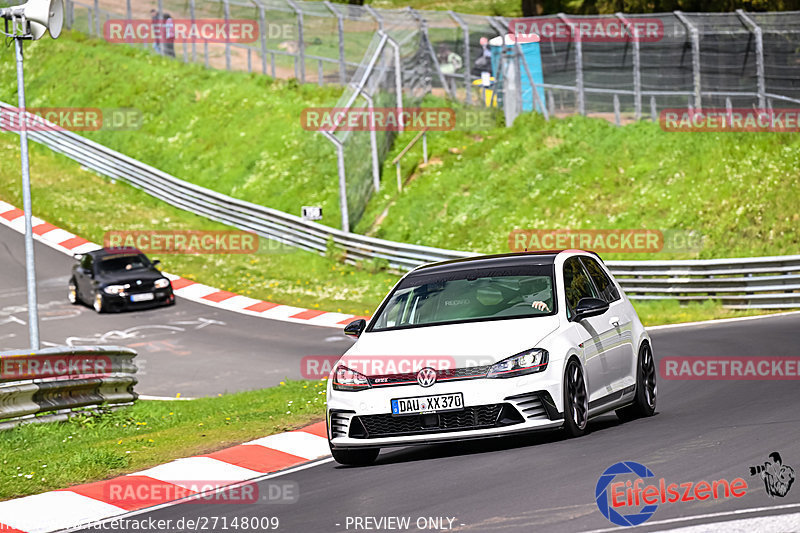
(527, 362)
(347, 379)
(115, 289)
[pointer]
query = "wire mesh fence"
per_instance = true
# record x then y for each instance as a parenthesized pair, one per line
(691, 61)
(698, 59)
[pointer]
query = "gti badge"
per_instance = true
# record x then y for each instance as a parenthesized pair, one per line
(426, 377)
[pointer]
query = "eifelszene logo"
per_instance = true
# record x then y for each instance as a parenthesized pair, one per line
(615, 497)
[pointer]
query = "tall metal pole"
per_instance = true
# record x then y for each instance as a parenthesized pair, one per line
(33, 306)
(577, 38)
(695, 38)
(756, 31)
(637, 68)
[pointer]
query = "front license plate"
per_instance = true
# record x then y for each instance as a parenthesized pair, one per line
(428, 404)
(144, 297)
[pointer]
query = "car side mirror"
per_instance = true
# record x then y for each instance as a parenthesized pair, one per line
(156, 262)
(588, 307)
(355, 328)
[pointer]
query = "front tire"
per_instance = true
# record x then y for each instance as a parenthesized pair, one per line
(72, 294)
(98, 303)
(576, 401)
(644, 403)
(355, 457)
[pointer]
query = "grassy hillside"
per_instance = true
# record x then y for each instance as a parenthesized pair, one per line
(240, 134)
(738, 190)
(236, 133)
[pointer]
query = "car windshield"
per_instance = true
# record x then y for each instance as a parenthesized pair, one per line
(122, 263)
(468, 295)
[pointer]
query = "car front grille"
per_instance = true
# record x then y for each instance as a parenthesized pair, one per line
(450, 374)
(146, 286)
(474, 417)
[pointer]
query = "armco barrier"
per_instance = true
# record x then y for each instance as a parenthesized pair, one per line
(62, 381)
(760, 282)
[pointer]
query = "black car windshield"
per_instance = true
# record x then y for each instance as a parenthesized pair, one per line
(121, 263)
(468, 295)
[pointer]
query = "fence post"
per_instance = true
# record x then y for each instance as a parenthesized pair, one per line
(194, 44)
(96, 17)
(695, 36)
(637, 68)
(617, 118)
(262, 28)
(467, 58)
(653, 110)
(729, 110)
(373, 143)
(128, 10)
(581, 95)
(227, 10)
(301, 45)
(340, 29)
(342, 179)
(70, 15)
(398, 80)
(756, 31)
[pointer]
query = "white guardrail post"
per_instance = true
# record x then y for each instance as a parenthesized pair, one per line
(50, 384)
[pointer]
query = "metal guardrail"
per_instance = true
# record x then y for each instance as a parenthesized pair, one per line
(763, 283)
(48, 385)
(739, 283)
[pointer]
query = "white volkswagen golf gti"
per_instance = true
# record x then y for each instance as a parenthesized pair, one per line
(490, 346)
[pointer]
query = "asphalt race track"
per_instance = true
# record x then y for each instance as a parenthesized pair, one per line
(189, 348)
(703, 430)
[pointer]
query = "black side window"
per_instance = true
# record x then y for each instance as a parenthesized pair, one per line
(576, 284)
(608, 291)
(86, 262)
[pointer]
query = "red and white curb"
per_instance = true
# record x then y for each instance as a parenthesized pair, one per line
(71, 244)
(86, 504)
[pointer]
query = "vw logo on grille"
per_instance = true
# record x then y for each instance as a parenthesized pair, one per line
(426, 377)
(138, 282)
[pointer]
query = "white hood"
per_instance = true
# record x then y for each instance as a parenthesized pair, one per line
(478, 343)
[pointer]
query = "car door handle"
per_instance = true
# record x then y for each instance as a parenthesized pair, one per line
(614, 321)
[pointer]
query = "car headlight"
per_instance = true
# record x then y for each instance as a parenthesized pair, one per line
(527, 362)
(350, 380)
(162, 283)
(114, 289)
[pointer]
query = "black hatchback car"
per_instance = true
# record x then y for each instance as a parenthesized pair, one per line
(117, 279)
